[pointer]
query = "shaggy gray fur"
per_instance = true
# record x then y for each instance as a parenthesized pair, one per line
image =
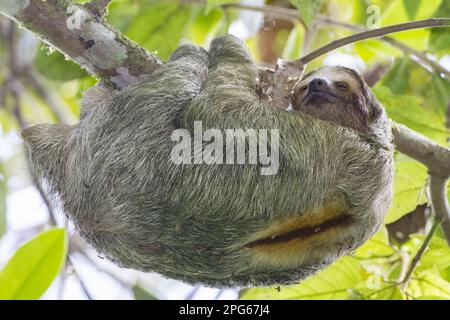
(113, 176)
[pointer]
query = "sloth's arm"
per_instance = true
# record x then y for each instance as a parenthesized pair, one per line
(178, 81)
(229, 98)
(191, 62)
(231, 69)
(188, 61)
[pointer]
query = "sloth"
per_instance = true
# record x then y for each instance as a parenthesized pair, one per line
(222, 225)
(337, 94)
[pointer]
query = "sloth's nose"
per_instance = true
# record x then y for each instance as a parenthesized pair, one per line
(316, 84)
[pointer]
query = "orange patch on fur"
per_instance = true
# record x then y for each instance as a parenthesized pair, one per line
(291, 234)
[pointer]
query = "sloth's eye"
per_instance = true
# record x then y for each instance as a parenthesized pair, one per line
(342, 85)
(302, 89)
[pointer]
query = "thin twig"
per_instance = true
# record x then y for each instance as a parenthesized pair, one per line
(219, 294)
(428, 23)
(393, 42)
(192, 293)
(80, 280)
(420, 253)
(15, 88)
(269, 10)
(447, 116)
(293, 15)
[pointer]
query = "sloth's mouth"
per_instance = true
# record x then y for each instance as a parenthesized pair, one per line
(320, 95)
(308, 228)
(303, 232)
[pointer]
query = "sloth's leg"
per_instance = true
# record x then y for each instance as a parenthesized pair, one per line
(230, 65)
(188, 61)
(188, 67)
(178, 82)
(190, 51)
(228, 98)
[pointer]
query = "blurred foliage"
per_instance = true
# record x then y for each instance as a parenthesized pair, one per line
(2, 202)
(55, 66)
(141, 294)
(412, 93)
(34, 266)
(307, 9)
(371, 274)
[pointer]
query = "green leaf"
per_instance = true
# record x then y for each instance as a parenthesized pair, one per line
(54, 66)
(396, 13)
(386, 291)
(398, 76)
(121, 13)
(439, 40)
(445, 274)
(3, 191)
(409, 182)
(142, 294)
(411, 7)
(203, 25)
(308, 9)
(294, 43)
(429, 284)
(410, 78)
(373, 50)
(212, 4)
(378, 245)
(332, 283)
(431, 298)
(7, 122)
(410, 111)
(437, 255)
(34, 266)
(159, 27)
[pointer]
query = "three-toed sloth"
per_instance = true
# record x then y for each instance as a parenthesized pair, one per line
(218, 223)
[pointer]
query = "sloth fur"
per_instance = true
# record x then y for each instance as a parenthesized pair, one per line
(219, 225)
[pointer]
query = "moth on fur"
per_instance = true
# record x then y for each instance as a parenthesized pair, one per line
(222, 225)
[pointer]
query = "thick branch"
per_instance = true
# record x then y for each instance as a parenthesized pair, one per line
(422, 149)
(84, 37)
(439, 201)
(437, 160)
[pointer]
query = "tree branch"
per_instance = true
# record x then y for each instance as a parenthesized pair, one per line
(437, 160)
(422, 149)
(422, 57)
(98, 7)
(439, 201)
(420, 253)
(83, 36)
(428, 23)
(292, 15)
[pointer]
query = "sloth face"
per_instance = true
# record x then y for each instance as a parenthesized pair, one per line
(339, 95)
